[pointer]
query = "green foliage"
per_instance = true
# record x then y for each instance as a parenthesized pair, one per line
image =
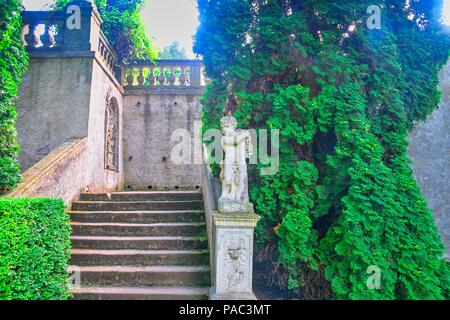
(123, 27)
(345, 99)
(13, 63)
(34, 249)
(173, 51)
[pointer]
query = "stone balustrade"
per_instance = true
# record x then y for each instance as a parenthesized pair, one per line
(50, 33)
(108, 56)
(53, 30)
(164, 73)
(52, 25)
(47, 33)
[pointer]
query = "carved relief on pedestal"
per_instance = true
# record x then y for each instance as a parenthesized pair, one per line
(236, 260)
(112, 134)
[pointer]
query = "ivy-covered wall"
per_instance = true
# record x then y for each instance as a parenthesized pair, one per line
(13, 63)
(344, 206)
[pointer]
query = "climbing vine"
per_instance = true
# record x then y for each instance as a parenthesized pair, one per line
(123, 27)
(343, 207)
(13, 63)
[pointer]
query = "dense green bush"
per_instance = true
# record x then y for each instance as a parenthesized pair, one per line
(344, 97)
(123, 27)
(34, 249)
(13, 63)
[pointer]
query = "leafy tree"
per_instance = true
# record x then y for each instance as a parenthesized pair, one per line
(173, 51)
(345, 97)
(13, 63)
(123, 27)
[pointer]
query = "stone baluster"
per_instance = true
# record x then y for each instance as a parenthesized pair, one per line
(151, 77)
(31, 39)
(130, 77)
(172, 77)
(101, 48)
(47, 38)
(140, 77)
(108, 61)
(183, 76)
(162, 77)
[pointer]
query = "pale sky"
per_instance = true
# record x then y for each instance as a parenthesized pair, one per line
(175, 20)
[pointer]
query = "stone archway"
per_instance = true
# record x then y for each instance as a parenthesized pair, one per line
(112, 135)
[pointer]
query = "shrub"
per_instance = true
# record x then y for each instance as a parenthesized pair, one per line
(13, 63)
(34, 249)
(344, 98)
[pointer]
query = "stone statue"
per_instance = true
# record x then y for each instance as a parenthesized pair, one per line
(112, 134)
(237, 146)
(110, 147)
(234, 220)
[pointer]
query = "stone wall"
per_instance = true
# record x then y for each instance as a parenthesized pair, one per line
(53, 105)
(104, 86)
(64, 98)
(149, 122)
(61, 174)
(429, 150)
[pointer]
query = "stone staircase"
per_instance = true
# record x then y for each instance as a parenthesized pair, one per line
(140, 245)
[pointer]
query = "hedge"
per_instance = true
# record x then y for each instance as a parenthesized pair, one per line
(34, 249)
(13, 63)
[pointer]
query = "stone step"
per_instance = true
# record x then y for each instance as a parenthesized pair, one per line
(140, 293)
(139, 243)
(136, 205)
(143, 196)
(86, 257)
(135, 276)
(138, 229)
(138, 216)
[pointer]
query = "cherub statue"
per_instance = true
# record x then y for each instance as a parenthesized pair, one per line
(237, 146)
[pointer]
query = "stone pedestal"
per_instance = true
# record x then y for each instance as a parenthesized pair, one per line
(233, 259)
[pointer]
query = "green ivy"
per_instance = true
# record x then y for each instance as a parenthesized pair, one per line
(34, 249)
(13, 63)
(345, 99)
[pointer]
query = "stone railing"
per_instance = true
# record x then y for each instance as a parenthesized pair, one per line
(165, 75)
(53, 176)
(46, 33)
(108, 56)
(52, 25)
(52, 30)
